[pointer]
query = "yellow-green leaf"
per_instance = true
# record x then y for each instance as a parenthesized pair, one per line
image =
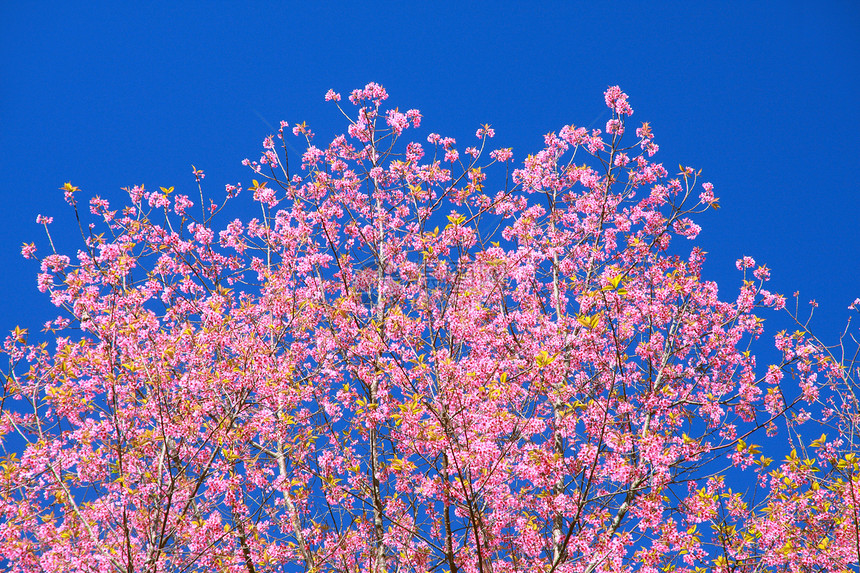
(544, 359)
(588, 321)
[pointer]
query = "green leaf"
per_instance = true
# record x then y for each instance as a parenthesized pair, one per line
(588, 321)
(544, 359)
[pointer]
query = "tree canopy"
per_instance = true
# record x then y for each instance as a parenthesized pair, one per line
(422, 357)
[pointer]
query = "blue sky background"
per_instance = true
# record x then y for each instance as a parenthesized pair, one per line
(762, 96)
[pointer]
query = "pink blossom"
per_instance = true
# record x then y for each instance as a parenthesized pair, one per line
(181, 204)
(762, 273)
(415, 117)
(615, 127)
(201, 233)
(745, 263)
(372, 91)
(485, 131)
(312, 156)
(621, 160)
(396, 121)
(414, 152)
(502, 155)
(617, 101)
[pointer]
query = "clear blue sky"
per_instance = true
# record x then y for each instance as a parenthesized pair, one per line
(762, 96)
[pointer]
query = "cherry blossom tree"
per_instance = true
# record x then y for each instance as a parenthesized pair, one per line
(419, 357)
